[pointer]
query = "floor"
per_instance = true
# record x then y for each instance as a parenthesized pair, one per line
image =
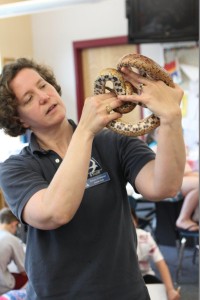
(189, 277)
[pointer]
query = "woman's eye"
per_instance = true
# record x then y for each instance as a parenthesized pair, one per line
(43, 85)
(28, 99)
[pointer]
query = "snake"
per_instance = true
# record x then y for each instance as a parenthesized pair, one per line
(146, 67)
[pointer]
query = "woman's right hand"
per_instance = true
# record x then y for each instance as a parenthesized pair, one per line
(95, 115)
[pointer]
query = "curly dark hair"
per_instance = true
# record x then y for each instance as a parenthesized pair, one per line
(9, 118)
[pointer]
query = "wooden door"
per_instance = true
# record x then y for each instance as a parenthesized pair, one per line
(93, 56)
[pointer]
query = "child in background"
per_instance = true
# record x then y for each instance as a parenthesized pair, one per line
(147, 251)
(11, 249)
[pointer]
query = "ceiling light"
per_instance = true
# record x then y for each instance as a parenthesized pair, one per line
(35, 6)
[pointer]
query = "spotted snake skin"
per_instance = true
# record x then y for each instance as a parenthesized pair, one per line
(147, 68)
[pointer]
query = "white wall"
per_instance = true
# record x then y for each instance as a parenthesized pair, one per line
(54, 33)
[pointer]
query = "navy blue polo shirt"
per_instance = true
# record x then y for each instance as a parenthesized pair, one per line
(94, 255)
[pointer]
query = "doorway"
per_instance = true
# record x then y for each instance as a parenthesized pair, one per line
(91, 56)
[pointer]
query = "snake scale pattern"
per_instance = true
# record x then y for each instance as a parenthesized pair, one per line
(147, 68)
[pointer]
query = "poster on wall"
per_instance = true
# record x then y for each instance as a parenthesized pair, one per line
(182, 62)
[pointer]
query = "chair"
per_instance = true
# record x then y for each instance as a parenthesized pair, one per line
(186, 237)
(167, 212)
(160, 217)
(145, 211)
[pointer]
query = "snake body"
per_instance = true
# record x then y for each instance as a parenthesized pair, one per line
(120, 87)
(147, 68)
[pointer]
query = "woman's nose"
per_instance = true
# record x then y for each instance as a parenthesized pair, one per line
(43, 97)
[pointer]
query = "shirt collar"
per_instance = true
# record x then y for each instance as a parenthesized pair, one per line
(35, 147)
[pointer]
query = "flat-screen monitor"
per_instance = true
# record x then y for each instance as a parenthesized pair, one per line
(161, 21)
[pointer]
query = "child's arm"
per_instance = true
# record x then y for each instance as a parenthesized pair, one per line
(163, 269)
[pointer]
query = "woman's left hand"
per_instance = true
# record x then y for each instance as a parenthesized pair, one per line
(162, 100)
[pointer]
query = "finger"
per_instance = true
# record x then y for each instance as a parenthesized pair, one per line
(106, 96)
(129, 74)
(130, 98)
(136, 80)
(114, 115)
(112, 104)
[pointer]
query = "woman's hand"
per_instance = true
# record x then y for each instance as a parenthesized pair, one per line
(95, 114)
(162, 100)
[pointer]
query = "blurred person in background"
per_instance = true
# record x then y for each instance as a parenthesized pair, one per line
(148, 252)
(11, 250)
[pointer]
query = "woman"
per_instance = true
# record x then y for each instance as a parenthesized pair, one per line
(69, 184)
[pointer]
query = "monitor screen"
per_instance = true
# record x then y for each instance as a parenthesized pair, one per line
(152, 21)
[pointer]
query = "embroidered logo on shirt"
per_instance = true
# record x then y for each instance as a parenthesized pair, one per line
(94, 168)
(95, 174)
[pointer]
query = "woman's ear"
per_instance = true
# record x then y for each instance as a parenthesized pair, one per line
(24, 124)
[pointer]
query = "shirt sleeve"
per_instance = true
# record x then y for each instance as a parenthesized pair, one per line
(20, 180)
(127, 154)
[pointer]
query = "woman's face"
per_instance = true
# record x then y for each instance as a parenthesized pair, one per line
(39, 104)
